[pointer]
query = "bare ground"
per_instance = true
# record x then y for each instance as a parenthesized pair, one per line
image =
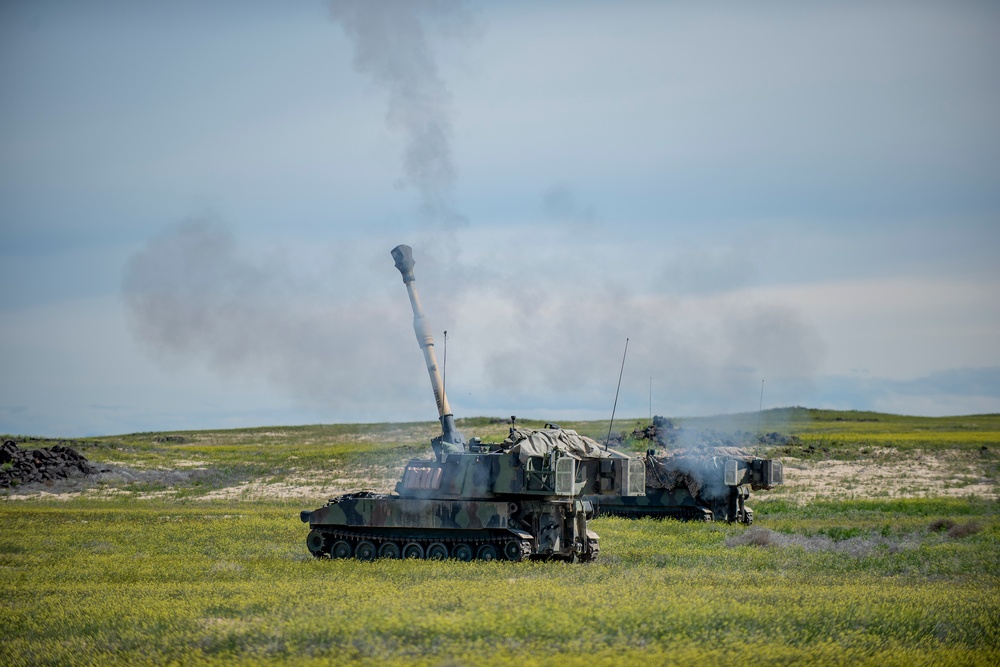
(948, 474)
(887, 475)
(315, 486)
(307, 485)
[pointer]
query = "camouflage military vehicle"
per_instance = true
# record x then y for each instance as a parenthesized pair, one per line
(522, 498)
(701, 484)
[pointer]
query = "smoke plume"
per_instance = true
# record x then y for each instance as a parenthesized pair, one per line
(332, 329)
(194, 296)
(391, 45)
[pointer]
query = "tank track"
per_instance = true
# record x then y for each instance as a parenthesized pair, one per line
(329, 543)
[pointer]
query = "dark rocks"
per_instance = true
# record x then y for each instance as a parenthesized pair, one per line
(661, 432)
(20, 466)
(7, 451)
(664, 434)
(775, 439)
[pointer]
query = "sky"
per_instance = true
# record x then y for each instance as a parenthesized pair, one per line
(776, 204)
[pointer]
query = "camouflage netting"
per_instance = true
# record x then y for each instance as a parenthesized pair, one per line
(528, 442)
(665, 473)
(22, 466)
(691, 469)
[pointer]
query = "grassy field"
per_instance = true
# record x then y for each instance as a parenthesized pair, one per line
(190, 551)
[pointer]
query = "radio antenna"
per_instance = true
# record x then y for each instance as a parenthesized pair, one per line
(608, 441)
(444, 369)
(650, 399)
(760, 409)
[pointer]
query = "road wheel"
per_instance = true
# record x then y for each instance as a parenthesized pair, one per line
(365, 550)
(389, 550)
(487, 552)
(437, 551)
(316, 542)
(512, 550)
(413, 550)
(462, 552)
(340, 549)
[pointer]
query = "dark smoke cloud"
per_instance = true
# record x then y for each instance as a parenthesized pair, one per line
(339, 336)
(194, 296)
(391, 45)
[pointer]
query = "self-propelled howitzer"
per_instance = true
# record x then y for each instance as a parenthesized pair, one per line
(517, 499)
(700, 484)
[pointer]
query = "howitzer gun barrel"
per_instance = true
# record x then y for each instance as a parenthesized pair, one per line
(403, 257)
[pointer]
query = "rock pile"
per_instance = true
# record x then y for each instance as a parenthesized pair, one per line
(22, 466)
(776, 438)
(661, 432)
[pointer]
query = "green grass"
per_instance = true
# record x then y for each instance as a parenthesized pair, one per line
(207, 583)
(127, 579)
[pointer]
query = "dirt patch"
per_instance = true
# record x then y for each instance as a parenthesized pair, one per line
(315, 485)
(961, 530)
(939, 474)
(265, 490)
(190, 463)
(854, 546)
(955, 530)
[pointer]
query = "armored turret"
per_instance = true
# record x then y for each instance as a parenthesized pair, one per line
(701, 484)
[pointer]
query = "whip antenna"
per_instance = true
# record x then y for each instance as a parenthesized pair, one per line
(444, 369)
(760, 408)
(608, 441)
